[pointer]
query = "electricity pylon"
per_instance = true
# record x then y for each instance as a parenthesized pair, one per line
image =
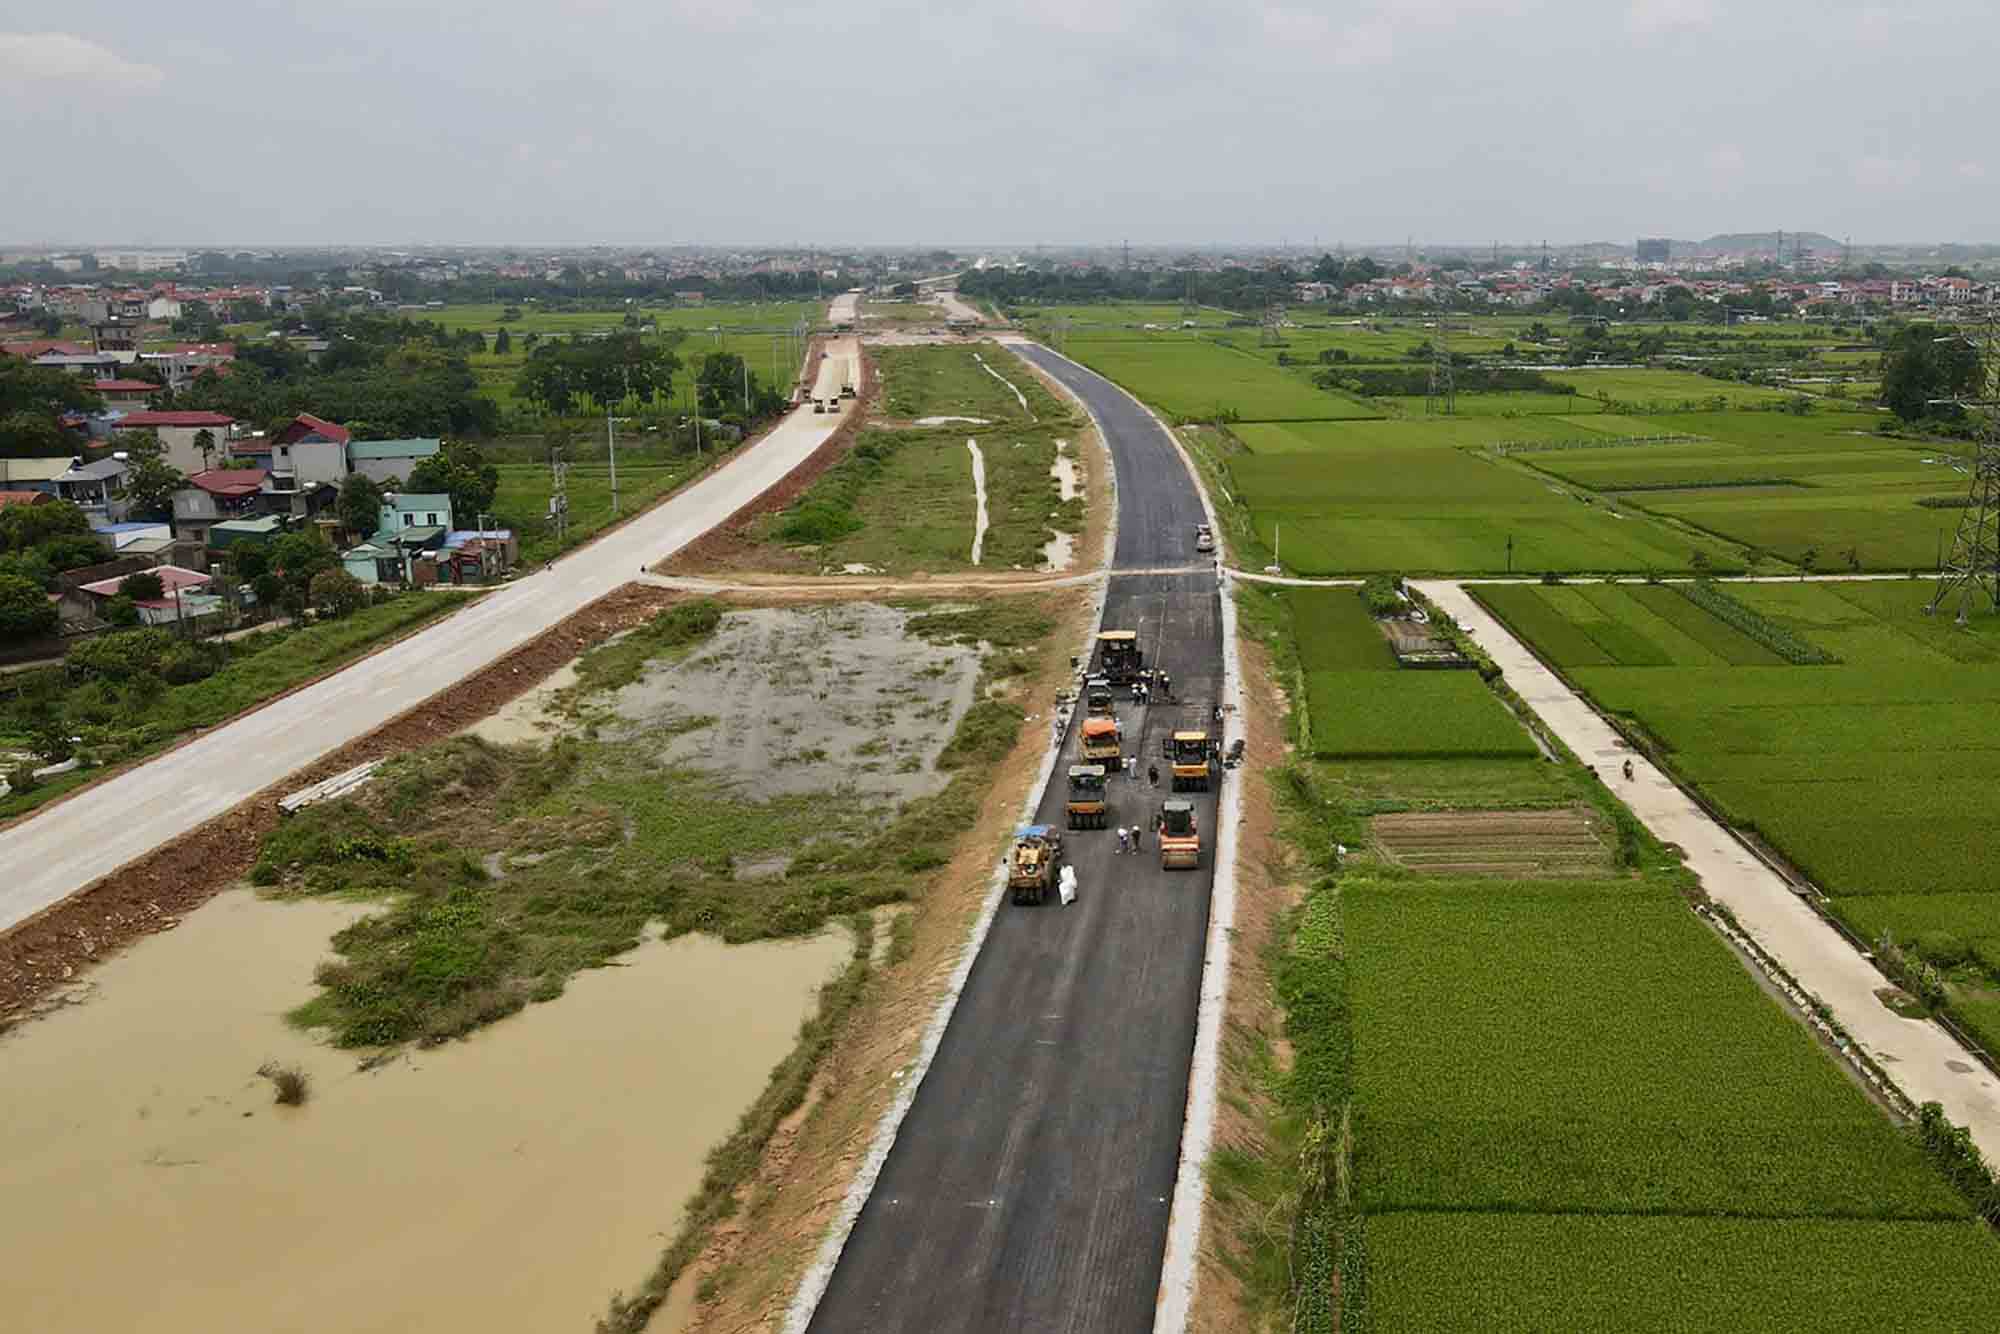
(1972, 568)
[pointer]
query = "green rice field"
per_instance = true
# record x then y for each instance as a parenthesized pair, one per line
(1878, 775)
(1197, 380)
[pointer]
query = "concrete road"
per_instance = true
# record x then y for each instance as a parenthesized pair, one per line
(54, 854)
(956, 308)
(844, 309)
(1921, 1057)
(1029, 1185)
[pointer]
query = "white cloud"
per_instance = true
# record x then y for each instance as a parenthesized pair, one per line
(1353, 46)
(1650, 17)
(1892, 173)
(1972, 171)
(60, 57)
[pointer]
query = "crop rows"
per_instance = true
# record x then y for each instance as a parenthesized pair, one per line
(1359, 714)
(1709, 597)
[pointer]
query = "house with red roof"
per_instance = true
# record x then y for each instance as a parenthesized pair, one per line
(305, 450)
(128, 395)
(183, 596)
(181, 435)
(216, 496)
(25, 498)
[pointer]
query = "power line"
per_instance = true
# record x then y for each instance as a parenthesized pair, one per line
(1972, 568)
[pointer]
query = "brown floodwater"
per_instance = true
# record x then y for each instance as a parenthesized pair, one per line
(511, 1181)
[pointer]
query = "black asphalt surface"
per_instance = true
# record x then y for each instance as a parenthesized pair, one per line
(1029, 1186)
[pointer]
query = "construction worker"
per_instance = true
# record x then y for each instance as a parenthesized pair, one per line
(1152, 775)
(1137, 846)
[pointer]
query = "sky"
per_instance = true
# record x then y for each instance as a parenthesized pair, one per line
(779, 122)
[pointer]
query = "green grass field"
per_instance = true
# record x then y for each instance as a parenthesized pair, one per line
(522, 502)
(1877, 775)
(1198, 380)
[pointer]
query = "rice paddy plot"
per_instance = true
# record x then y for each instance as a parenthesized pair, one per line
(1197, 380)
(1527, 403)
(1418, 432)
(1665, 390)
(1335, 631)
(1458, 1271)
(1370, 713)
(1525, 1045)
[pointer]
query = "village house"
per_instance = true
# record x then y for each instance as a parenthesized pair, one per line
(34, 475)
(386, 460)
(127, 395)
(184, 596)
(98, 489)
(214, 496)
(181, 436)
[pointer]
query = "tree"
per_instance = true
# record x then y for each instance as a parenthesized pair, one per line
(719, 385)
(359, 505)
(151, 484)
(204, 441)
(297, 557)
(33, 435)
(26, 387)
(503, 343)
(335, 593)
(25, 611)
(121, 611)
(460, 471)
(1924, 364)
(48, 323)
(142, 586)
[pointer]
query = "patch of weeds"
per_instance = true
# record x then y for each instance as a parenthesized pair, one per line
(621, 662)
(290, 1085)
(902, 937)
(1000, 622)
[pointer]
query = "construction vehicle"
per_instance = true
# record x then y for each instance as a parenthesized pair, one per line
(1191, 753)
(1204, 540)
(1031, 871)
(1101, 742)
(1180, 839)
(1086, 808)
(847, 391)
(1119, 659)
(1097, 697)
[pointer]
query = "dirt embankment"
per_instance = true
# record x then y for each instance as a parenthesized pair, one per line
(729, 545)
(1268, 884)
(152, 893)
(755, 1260)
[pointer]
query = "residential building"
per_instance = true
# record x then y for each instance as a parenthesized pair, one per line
(33, 474)
(127, 395)
(384, 460)
(262, 530)
(308, 450)
(374, 562)
(402, 511)
(180, 596)
(98, 489)
(116, 537)
(215, 496)
(179, 434)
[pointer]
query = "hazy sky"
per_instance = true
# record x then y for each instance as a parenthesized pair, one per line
(670, 121)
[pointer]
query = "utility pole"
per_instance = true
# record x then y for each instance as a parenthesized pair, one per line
(611, 446)
(559, 494)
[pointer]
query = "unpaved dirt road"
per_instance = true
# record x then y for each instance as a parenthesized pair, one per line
(52, 855)
(1029, 1186)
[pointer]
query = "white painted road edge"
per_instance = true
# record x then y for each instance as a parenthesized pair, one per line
(1922, 1058)
(813, 1283)
(1180, 1272)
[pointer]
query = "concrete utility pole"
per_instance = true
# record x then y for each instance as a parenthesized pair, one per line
(611, 448)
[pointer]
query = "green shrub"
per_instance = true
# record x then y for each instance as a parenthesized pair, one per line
(1706, 594)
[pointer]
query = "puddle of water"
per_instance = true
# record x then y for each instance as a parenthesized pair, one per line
(531, 717)
(510, 1181)
(810, 699)
(1065, 473)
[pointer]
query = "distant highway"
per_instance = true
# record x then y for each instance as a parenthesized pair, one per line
(1030, 1184)
(53, 854)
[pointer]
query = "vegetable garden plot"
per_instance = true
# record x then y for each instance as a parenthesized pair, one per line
(1591, 1046)
(1537, 1272)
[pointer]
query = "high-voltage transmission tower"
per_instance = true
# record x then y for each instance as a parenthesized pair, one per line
(1188, 307)
(1971, 571)
(1441, 397)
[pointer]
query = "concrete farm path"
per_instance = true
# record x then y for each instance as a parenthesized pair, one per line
(54, 854)
(1919, 1056)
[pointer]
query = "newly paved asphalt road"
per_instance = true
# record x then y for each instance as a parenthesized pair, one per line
(1029, 1186)
(50, 856)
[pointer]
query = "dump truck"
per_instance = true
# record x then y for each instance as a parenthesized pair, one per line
(1101, 742)
(1031, 871)
(1180, 839)
(1086, 808)
(1191, 753)
(1119, 659)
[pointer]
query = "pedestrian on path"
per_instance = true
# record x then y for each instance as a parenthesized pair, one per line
(1628, 771)
(1137, 846)
(1152, 775)
(1131, 767)
(1124, 840)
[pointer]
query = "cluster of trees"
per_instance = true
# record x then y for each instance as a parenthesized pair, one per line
(726, 387)
(606, 371)
(38, 542)
(381, 377)
(1923, 367)
(32, 401)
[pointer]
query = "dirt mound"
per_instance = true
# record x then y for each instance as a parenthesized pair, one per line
(152, 893)
(1518, 844)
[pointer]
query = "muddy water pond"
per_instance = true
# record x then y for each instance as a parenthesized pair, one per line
(790, 700)
(510, 1181)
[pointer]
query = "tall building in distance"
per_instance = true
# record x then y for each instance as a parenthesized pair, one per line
(1654, 250)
